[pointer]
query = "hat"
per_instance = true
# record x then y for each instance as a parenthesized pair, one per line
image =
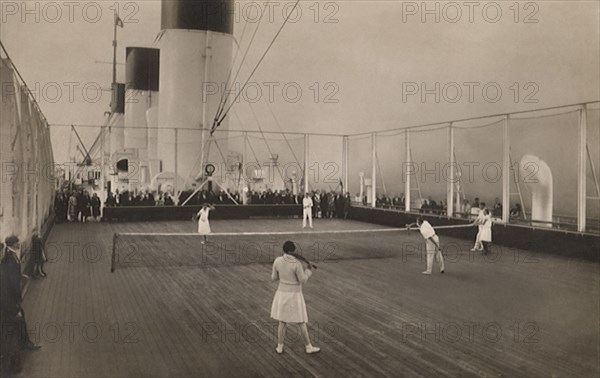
(11, 240)
(289, 246)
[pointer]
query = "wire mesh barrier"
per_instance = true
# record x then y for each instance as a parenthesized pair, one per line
(360, 168)
(325, 163)
(155, 250)
(428, 165)
(593, 170)
(538, 167)
(478, 156)
(527, 167)
(544, 138)
(391, 154)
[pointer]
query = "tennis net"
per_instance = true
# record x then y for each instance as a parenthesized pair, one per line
(132, 250)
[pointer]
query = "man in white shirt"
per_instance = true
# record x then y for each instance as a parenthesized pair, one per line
(307, 205)
(432, 244)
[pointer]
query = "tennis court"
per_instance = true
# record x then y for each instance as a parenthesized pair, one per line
(173, 307)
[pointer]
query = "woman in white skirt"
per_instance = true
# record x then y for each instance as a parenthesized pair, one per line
(486, 231)
(288, 304)
(203, 224)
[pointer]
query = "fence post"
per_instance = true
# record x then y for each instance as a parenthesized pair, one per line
(374, 170)
(581, 192)
(450, 186)
(407, 164)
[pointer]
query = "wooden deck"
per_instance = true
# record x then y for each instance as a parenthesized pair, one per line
(521, 315)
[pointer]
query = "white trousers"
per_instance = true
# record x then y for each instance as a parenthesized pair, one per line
(307, 213)
(432, 252)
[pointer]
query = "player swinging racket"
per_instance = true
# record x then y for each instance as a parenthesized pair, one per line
(202, 218)
(432, 244)
(288, 303)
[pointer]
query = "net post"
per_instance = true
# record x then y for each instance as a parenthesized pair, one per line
(374, 170)
(581, 192)
(113, 257)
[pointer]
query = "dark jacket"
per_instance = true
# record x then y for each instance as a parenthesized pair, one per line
(37, 250)
(10, 284)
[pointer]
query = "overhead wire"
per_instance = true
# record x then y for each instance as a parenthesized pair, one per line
(222, 117)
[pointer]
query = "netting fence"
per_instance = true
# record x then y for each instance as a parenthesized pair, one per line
(538, 166)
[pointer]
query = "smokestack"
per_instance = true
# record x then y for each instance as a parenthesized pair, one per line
(141, 93)
(195, 44)
(116, 122)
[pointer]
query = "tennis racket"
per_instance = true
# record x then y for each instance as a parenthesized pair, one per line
(301, 258)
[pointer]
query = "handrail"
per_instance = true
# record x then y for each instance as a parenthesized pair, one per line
(476, 118)
(362, 133)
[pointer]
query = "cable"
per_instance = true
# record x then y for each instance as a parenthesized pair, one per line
(216, 121)
(256, 67)
(221, 102)
(280, 129)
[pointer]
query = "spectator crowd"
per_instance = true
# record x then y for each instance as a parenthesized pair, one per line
(76, 206)
(80, 206)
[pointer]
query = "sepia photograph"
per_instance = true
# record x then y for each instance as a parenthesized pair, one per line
(299, 188)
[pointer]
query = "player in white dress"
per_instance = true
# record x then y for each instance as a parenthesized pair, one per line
(288, 303)
(479, 222)
(486, 231)
(432, 244)
(202, 218)
(307, 204)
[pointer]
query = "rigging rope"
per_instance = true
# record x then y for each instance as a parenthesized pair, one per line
(221, 102)
(216, 121)
(254, 70)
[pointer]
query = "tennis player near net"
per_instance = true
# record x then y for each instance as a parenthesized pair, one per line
(288, 304)
(432, 244)
(202, 218)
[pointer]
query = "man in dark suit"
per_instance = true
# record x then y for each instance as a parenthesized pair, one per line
(14, 338)
(80, 205)
(324, 203)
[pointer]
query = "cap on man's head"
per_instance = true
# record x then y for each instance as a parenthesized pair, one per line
(289, 246)
(11, 240)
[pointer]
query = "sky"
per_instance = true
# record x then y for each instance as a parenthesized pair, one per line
(372, 61)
